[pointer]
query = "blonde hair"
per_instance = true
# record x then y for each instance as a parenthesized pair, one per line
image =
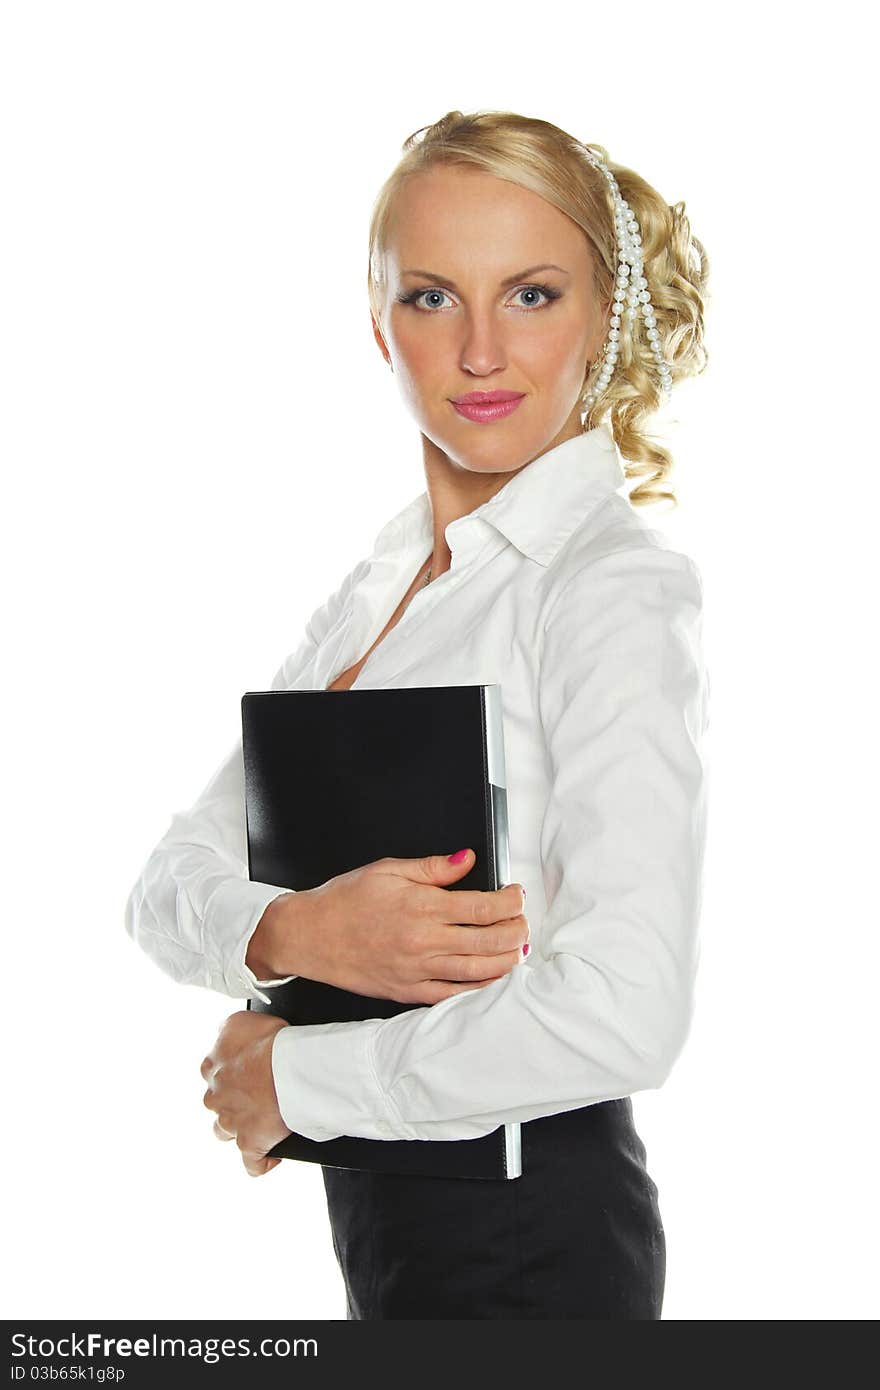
(546, 160)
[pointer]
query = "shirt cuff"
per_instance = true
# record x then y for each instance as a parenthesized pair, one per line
(232, 915)
(326, 1083)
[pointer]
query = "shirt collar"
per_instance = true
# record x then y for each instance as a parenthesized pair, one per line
(537, 509)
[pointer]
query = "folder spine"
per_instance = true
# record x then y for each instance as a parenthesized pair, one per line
(499, 839)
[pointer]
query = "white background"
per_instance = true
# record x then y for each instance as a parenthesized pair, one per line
(190, 385)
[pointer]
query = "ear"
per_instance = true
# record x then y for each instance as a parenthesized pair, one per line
(377, 334)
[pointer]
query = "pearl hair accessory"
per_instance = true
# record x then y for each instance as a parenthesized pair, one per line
(631, 288)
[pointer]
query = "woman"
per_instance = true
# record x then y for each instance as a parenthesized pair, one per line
(508, 261)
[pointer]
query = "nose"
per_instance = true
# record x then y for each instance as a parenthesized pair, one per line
(483, 349)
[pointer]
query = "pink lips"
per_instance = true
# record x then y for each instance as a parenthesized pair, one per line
(487, 405)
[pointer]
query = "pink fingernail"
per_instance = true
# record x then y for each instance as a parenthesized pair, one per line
(526, 949)
(458, 856)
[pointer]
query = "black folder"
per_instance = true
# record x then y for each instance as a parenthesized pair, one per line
(335, 779)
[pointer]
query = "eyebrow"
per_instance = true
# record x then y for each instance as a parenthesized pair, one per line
(510, 279)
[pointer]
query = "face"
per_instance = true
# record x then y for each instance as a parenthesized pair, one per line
(467, 311)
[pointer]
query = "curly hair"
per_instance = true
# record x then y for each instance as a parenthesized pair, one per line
(546, 160)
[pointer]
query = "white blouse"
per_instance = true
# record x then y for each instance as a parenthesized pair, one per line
(591, 623)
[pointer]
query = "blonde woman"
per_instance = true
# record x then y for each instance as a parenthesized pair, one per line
(496, 261)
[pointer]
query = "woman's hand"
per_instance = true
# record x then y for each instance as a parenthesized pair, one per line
(241, 1088)
(393, 929)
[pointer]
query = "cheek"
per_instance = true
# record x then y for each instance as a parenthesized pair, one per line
(555, 361)
(561, 339)
(418, 357)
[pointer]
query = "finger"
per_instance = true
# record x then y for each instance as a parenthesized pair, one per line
(468, 969)
(485, 943)
(220, 1132)
(258, 1164)
(206, 1068)
(478, 909)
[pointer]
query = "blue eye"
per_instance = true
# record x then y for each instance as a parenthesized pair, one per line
(417, 294)
(539, 289)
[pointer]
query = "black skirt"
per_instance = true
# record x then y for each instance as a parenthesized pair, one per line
(578, 1235)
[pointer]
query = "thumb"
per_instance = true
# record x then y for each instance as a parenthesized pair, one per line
(444, 868)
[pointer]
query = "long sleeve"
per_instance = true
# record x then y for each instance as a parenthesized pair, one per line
(193, 909)
(602, 1006)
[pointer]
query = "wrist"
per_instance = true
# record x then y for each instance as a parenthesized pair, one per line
(272, 942)
(274, 948)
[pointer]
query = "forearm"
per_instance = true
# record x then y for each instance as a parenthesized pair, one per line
(193, 908)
